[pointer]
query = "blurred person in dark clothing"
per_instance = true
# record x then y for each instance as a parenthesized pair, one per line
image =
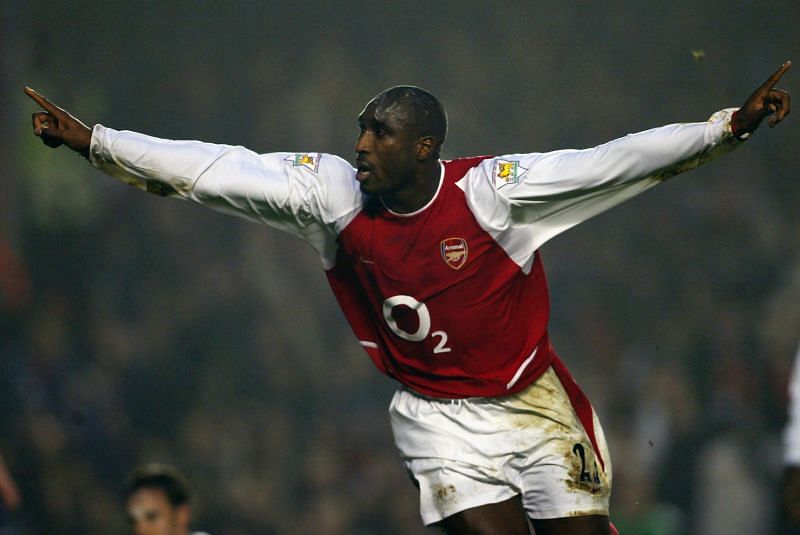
(14, 283)
(10, 499)
(436, 266)
(157, 501)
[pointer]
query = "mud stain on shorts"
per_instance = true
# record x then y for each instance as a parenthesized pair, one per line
(599, 512)
(543, 404)
(445, 495)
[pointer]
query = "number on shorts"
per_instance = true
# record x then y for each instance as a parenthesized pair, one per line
(585, 476)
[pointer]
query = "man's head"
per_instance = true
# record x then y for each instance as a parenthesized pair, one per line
(157, 501)
(401, 130)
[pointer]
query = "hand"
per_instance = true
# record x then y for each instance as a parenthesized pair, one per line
(765, 101)
(56, 126)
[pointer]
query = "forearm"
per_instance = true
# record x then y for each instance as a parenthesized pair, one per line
(558, 190)
(226, 178)
(655, 154)
(305, 198)
(160, 166)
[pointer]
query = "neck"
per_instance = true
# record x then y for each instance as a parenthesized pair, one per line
(417, 192)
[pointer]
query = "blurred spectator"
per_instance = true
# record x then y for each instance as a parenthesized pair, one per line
(10, 499)
(14, 282)
(791, 452)
(157, 501)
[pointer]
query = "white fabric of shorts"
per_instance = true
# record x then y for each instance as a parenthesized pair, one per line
(476, 451)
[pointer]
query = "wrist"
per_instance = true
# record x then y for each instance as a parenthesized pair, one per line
(738, 130)
(83, 142)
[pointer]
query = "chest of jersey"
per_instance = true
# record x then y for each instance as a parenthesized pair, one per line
(437, 251)
(435, 300)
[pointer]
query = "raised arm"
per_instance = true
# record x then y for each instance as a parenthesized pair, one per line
(548, 193)
(654, 154)
(306, 194)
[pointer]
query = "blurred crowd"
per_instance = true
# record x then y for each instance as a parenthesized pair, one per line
(135, 329)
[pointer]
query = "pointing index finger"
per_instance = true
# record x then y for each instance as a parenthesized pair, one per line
(42, 101)
(772, 80)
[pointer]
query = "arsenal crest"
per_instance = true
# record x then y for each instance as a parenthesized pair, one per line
(454, 252)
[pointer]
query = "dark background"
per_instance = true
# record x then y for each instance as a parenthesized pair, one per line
(136, 329)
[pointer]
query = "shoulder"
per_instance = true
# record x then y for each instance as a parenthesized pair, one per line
(495, 172)
(313, 164)
(340, 195)
(459, 167)
(311, 186)
(329, 180)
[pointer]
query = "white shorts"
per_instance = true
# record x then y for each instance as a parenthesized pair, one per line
(476, 451)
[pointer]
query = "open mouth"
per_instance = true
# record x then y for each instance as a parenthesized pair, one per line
(363, 171)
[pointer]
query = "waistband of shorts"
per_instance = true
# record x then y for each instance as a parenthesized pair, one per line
(458, 401)
(538, 362)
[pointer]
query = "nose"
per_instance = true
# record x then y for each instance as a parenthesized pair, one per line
(362, 143)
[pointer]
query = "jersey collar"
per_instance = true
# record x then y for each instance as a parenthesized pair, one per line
(427, 205)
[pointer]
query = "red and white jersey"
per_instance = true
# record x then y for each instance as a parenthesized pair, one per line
(450, 300)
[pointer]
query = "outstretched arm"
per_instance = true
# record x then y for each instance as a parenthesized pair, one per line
(656, 154)
(548, 193)
(305, 194)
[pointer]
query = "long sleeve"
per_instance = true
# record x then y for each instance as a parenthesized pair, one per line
(534, 197)
(306, 194)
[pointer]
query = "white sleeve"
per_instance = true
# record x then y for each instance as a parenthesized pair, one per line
(791, 433)
(311, 195)
(555, 191)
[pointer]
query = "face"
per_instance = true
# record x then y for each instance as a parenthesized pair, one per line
(151, 513)
(386, 149)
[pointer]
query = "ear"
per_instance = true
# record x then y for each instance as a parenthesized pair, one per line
(183, 515)
(426, 147)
